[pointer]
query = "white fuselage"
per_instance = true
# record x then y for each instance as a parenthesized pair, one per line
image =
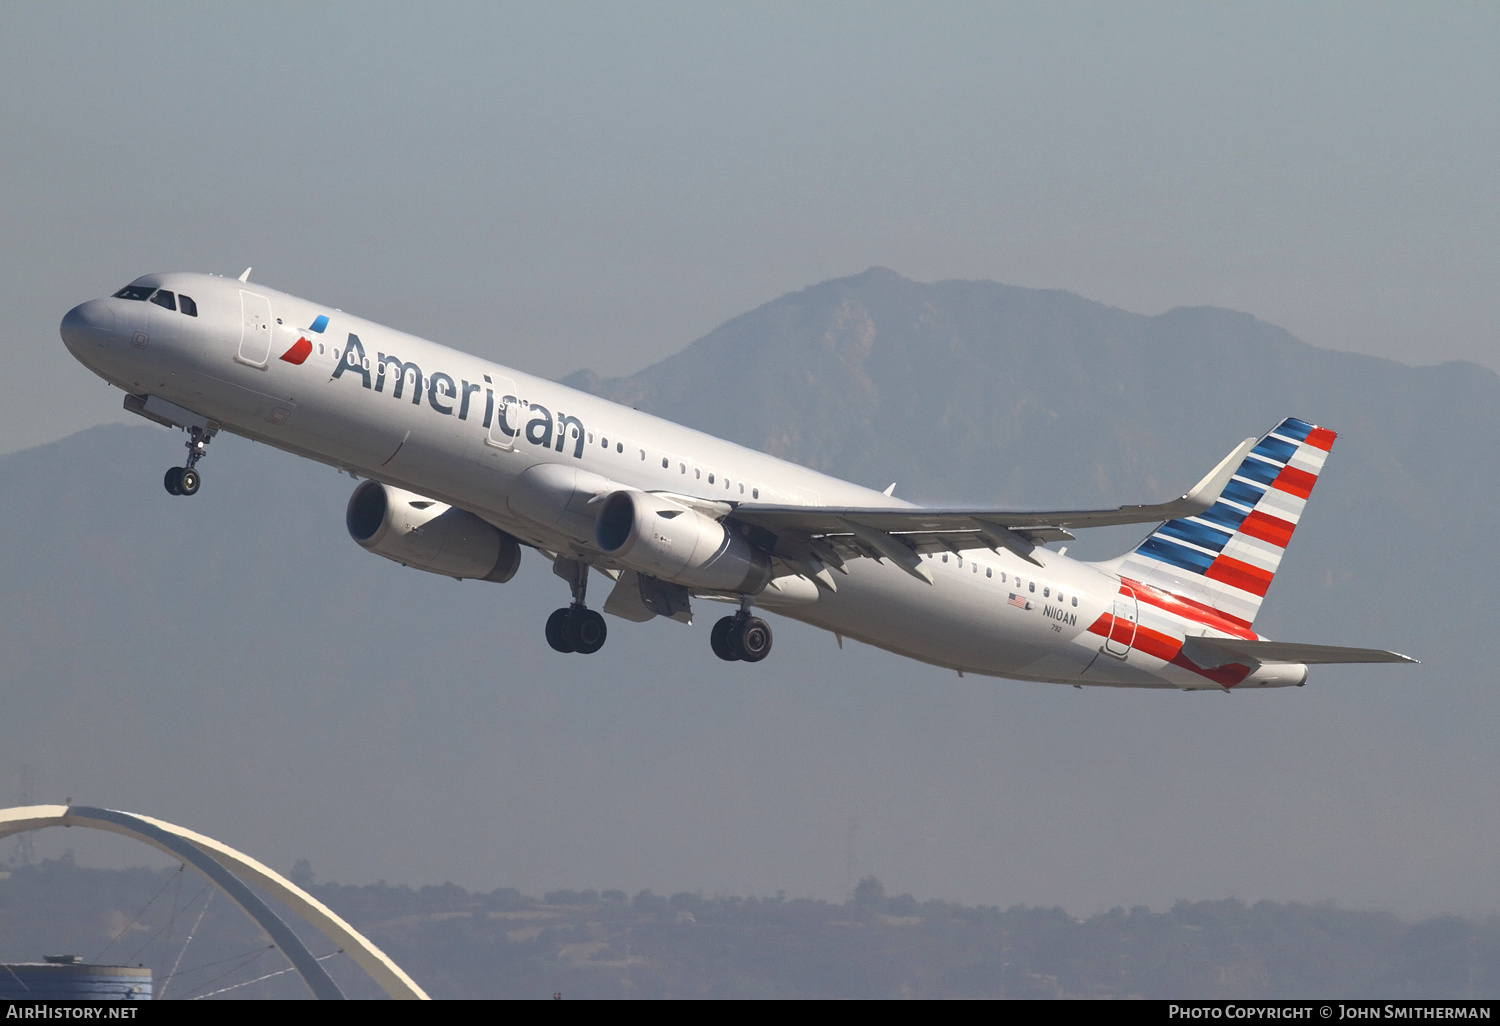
(432, 427)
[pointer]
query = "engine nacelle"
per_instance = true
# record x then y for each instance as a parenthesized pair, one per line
(416, 531)
(661, 538)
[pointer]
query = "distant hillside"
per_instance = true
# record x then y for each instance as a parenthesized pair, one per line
(992, 393)
(588, 944)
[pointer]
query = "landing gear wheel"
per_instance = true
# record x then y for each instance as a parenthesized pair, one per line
(557, 630)
(188, 481)
(586, 631)
(722, 640)
(753, 639)
(172, 481)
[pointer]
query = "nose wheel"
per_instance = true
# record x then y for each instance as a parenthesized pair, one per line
(182, 481)
(741, 638)
(185, 480)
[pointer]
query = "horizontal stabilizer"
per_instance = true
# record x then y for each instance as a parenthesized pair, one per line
(1218, 651)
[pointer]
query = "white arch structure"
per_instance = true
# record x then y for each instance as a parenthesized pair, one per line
(229, 870)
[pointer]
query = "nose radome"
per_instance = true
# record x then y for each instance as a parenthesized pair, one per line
(87, 324)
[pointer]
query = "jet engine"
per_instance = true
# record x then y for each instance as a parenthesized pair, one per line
(655, 536)
(416, 531)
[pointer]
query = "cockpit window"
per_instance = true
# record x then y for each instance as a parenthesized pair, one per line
(135, 292)
(188, 306)
(166, 299)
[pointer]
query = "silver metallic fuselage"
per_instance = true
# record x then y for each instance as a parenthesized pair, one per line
(434, 438)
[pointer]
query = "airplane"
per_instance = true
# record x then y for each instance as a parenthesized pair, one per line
(465, 463)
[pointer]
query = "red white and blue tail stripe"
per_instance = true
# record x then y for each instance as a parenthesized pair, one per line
(1226, 556)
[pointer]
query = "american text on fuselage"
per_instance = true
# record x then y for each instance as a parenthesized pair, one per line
(467, 463)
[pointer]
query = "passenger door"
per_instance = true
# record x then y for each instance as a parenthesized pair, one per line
(255, 330)
(1126, 619)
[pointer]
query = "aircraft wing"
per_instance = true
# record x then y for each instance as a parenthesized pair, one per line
(829, 535)
(1218, 651)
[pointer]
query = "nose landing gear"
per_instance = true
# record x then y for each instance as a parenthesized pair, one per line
(575, 628)
(185, 480)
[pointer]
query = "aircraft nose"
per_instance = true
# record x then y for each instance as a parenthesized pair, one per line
(87, 324)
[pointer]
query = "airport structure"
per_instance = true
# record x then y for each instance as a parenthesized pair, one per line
(233, 872)
(67, 978)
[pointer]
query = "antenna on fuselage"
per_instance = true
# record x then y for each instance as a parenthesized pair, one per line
(246, 275)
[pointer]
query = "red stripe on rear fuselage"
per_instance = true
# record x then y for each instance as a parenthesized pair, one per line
(1224, 676)
(1191, 610)
(1168, 649)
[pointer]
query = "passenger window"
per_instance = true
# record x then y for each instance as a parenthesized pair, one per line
(141, 292)
(664, 463)
(1046, 593)
(1031, 586)
(710, 479)
(604, 442)
(620, 447)
(989, 572)
(976, 567)
(165, 299)
(742, 488)
(682, 468)
(187, 306)
(945, 557)
(755, 493)
(1075, 600)
(591, 439)
(320, 349)
(697, 473)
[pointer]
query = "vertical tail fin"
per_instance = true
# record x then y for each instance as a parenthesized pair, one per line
(1226, 556)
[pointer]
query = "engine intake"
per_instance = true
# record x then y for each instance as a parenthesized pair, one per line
(655, 536)
(416, 531)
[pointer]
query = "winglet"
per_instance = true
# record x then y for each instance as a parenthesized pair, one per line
(1206, 492)
(246, 275)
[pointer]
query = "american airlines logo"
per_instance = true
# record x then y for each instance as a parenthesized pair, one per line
(302, 348)
(445, 395)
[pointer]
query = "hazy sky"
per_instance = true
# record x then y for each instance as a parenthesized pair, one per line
(598, 184)
(559, 186)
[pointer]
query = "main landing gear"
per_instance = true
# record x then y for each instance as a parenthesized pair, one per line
(185, 480)
(741, 637)
(575, 628)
